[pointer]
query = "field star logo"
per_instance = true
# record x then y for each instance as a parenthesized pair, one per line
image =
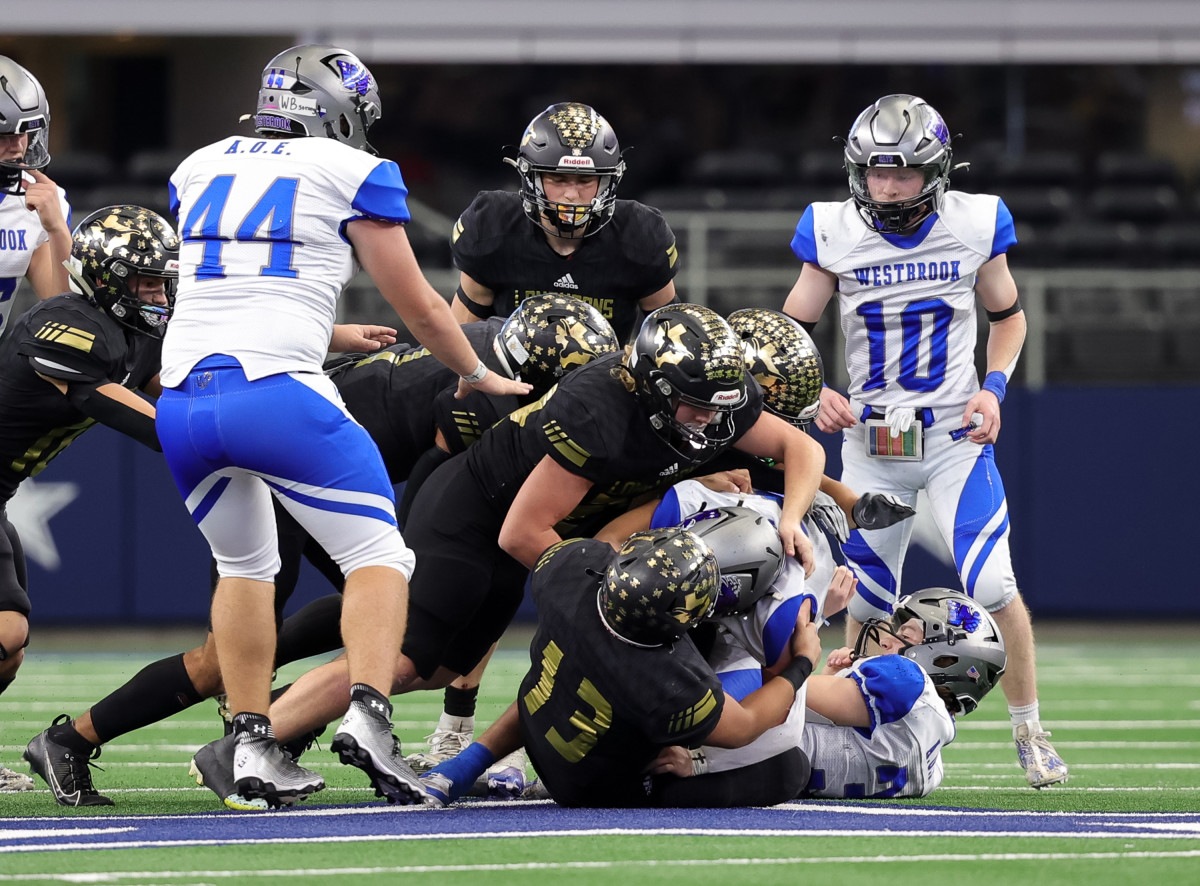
(31, 510)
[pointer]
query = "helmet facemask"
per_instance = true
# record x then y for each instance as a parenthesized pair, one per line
(748, 550)
(688, 355)
(569, 139)
(23, 111)
(111, 248)
(898, 131)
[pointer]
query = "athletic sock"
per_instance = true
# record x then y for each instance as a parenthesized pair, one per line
(157, 691)
(463, 770)
(460, 702)
(68, 736)
(371, 697)
(1018, 714)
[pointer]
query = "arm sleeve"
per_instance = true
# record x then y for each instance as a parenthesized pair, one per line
(383, 195)
(86, 397)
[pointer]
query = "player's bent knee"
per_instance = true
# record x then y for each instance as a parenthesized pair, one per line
(386, 549)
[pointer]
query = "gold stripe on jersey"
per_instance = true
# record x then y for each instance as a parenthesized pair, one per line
(672, 255)
(686, 719)
(393, 357)
(520, 415)
(572, 451)
(40, 454)
(458, 230)
(552, 657)
(80, 339)
(467, 424)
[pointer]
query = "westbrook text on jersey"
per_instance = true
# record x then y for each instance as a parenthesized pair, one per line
(905, 272)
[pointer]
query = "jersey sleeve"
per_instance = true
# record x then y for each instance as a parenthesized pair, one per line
(890, 685)
(471, 245)
(688, 716)
(578, 441)
(462, 422)
(383, 195)
(67, 345)
(653, 244)
(1006, 235)
(804, 242)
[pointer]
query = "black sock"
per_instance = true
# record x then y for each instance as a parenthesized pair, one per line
(313, 630)
(361, 692)
(68, 736)
(156, 692)
(258, 725)
(4, 684)
(460, 702)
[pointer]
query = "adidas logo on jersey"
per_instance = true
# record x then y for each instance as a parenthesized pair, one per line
(565, 282)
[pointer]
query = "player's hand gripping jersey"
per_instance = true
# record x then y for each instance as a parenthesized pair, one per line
(21, 232)
(261, 218)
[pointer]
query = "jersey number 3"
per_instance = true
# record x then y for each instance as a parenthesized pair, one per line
(268, 221)
(587, 727)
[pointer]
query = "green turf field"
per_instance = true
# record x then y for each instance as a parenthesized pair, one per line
(1124, 707)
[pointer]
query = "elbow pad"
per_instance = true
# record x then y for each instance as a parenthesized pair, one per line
(117, 415)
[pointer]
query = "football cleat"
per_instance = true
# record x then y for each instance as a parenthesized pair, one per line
(1042, 764)
(212, 767)
(364, 739)
(11, 782)
(506, 777)
(438, 789)
(261, 770)
(64, 770)
(535, 790)
(449, 739)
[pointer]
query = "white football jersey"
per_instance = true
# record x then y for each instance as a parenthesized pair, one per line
(900, 754)
(908, 301)
(21, 232)
(264, 256)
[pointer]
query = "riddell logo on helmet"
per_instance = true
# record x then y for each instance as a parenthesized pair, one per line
(579, 162)
(721, 397)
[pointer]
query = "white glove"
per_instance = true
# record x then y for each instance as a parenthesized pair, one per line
(899, 419)
(830, 516)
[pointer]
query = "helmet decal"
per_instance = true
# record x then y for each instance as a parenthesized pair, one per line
(355, 76)
(783, 359)
(963, 615)
(577, 126)
(658, 584)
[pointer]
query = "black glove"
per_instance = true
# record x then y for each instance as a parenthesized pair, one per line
(879, 510)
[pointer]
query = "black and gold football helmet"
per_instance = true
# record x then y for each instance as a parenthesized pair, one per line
(114, 245)
(781, 356)
(547, 336)
(659, 584)
(688, 354)
(569, 138)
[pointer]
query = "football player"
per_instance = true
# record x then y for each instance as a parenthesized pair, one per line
(71, 361)
(591, 721)
(909, 259)
(623, 425)
(404, 397)
(618, 255)
(34, 215)
(273, 226)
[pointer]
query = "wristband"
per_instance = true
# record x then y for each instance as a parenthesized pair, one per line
(797, 671)
(476, 375)
(996, 382)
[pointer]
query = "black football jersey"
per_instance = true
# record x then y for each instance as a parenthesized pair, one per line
(65, 338)
(593, 427)
(587, 708)
(631, 257)
(402, 394)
